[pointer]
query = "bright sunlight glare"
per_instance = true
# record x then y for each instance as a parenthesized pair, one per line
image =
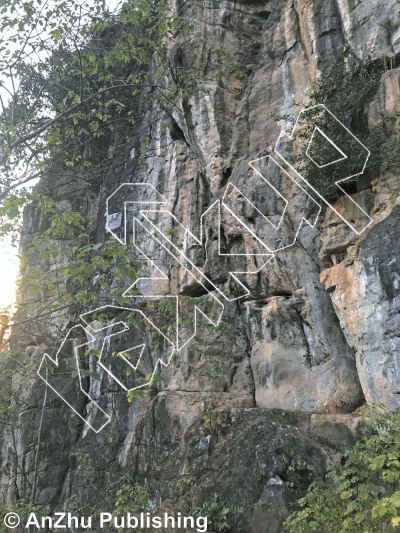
(9, 264)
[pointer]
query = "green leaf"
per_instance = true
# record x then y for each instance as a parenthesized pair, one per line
(57, 34)
(71, 362)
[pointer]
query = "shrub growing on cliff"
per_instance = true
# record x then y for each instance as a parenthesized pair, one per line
(221, 518)
(345, 89)
(363, 494)
(130, 496)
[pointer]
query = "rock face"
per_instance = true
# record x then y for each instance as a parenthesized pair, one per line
(258, 409)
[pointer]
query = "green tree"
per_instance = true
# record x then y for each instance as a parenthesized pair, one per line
(67, 69)
(363, 494)
(71, 73)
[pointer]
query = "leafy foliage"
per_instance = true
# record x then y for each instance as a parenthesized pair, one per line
(68, 70)
(363, 494)
(345, 89)
(221, 518)
(23, 508)
(71, 77)
(130, 496)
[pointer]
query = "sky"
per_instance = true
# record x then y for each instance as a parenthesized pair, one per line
(8, 273)
(9, 262)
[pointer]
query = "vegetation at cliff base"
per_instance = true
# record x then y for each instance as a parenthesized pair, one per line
(362, 495)
(221, 518)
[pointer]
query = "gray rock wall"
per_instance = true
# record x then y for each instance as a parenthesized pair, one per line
(315, 338)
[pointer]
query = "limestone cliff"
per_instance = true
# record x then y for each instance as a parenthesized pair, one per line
(316, 337)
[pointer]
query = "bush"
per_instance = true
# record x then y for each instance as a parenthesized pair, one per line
(221, 518)
(345, 89)
(362, 495)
